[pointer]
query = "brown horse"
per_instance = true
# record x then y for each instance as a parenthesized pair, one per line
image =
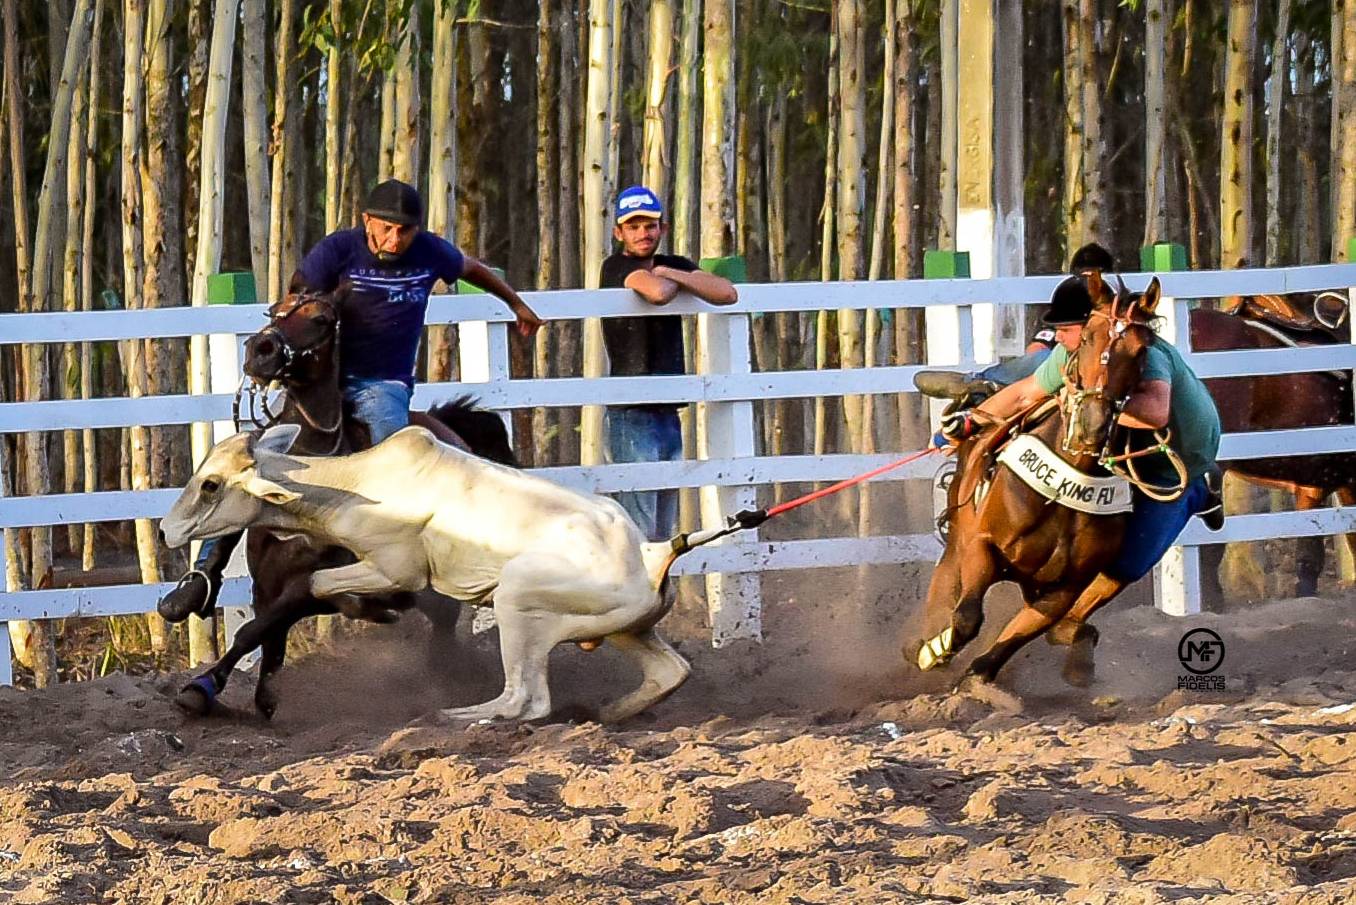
(299, 349)
(1001, 529)
(1281, 401)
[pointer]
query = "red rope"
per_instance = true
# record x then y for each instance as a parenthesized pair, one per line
(844, 484)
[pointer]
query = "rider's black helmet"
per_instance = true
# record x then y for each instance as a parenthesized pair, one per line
(1070, 304)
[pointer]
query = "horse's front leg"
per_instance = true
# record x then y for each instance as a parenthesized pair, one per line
(361, 577)
(955, 601)
(1073, 629)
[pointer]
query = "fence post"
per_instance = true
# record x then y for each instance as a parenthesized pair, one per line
(726, 430)
(223, 355)
(946, 329)
(482, 357)
(6, 656)
(1177, 577)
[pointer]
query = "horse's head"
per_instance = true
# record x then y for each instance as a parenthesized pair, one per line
(1104, 371)
(299, 345)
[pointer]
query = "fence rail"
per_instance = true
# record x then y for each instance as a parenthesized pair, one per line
(725, 382)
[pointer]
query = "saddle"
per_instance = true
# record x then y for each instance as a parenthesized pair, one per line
(1279, 312)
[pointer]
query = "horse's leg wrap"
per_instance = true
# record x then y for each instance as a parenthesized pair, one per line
(937, 650)
(198, 696)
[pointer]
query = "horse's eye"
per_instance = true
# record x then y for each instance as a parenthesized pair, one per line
(210, 486)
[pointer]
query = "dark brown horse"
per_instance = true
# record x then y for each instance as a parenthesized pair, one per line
(299, 349)
(1001, 529)
(1282, 401)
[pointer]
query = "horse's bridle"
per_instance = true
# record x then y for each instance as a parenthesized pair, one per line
(292, 356)
(1075, 396)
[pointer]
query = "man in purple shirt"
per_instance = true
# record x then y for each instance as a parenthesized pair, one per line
(393, 263)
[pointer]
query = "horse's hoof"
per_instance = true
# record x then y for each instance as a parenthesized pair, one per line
(196, 698)
(937, 650)
(266, 702)
(986, 692)
(1079, 666)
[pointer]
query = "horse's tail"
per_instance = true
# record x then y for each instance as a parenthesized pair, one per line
(482, 430)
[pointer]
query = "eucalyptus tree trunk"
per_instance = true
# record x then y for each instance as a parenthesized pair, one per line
(72, 261)
(775, 130)
(1236, 151)
(211, 201)
(162, 191)
(199, 39)
(1156, 24)
(334, 135)
(548, 180)
(47, 252)
(948, 128)
(254, 99)
(1343, 168)
(33, 643)
(1083, 129)
(134, 29)
(442, 164)
(717, 197)
(655, 154)
(686, 223)
(281, 244)
(826, 213)
(405, 153)
(386, 155)
(567, 138)
(1240, 568)
(1280, 75)
(88, 164)
(1308, 207)
(597, 131)
(617, 19)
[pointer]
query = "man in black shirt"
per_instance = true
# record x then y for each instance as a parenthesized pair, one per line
(650, 345)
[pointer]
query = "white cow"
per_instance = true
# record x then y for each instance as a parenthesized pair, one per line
(556, 565)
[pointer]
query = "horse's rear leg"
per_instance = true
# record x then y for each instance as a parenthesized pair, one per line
(1309, 552)
(1030, 621)
(1073, 629)
(955, 602)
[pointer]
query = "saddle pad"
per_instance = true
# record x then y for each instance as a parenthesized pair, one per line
(1053, 478)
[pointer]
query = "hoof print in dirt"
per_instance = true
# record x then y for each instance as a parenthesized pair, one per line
(973, 686)
(197, 697)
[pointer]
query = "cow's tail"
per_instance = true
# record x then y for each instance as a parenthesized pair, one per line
(658, 558)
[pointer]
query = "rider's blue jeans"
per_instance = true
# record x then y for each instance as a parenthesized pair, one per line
(383, 405)
(1152, 528)
(647, 435)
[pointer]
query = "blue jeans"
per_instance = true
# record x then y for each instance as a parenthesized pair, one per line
(647, 435)
(1152, 528)
(383, 405)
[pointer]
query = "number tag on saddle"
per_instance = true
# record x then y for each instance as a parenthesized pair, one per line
(1055, 479)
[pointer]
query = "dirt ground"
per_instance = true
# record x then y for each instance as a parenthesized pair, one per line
(814, 768)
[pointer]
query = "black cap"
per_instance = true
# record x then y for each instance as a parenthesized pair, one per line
(1070, 304)
(1091, 257)
(397, 202)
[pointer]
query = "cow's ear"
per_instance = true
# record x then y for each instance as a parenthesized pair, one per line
(1151, 297)
(269, 492)
(277, 439)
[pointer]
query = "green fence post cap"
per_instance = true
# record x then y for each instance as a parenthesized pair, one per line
(732, 267)
(465, 288)
(1161, 257)
(1351, 249)
(232, 288)
(946, 265)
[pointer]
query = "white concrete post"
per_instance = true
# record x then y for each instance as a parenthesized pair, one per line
(1177, 577)
(6, 657)
(726, 430)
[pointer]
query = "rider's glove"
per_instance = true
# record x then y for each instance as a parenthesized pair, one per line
(960, 426)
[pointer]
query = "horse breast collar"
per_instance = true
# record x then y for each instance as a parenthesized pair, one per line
(1055, 479)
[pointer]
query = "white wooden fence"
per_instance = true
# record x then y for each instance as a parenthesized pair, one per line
(727, 386)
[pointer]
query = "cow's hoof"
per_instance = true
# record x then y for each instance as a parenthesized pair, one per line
(984, 691)
(937, 650)
(197, 697)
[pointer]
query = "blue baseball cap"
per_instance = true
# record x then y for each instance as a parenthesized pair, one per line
(638, 201)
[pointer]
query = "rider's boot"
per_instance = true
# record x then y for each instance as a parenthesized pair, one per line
(941, 384)
(196, 592)
(1213, 513)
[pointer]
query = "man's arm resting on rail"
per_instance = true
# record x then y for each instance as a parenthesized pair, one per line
(706, 286)
(655, 289)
